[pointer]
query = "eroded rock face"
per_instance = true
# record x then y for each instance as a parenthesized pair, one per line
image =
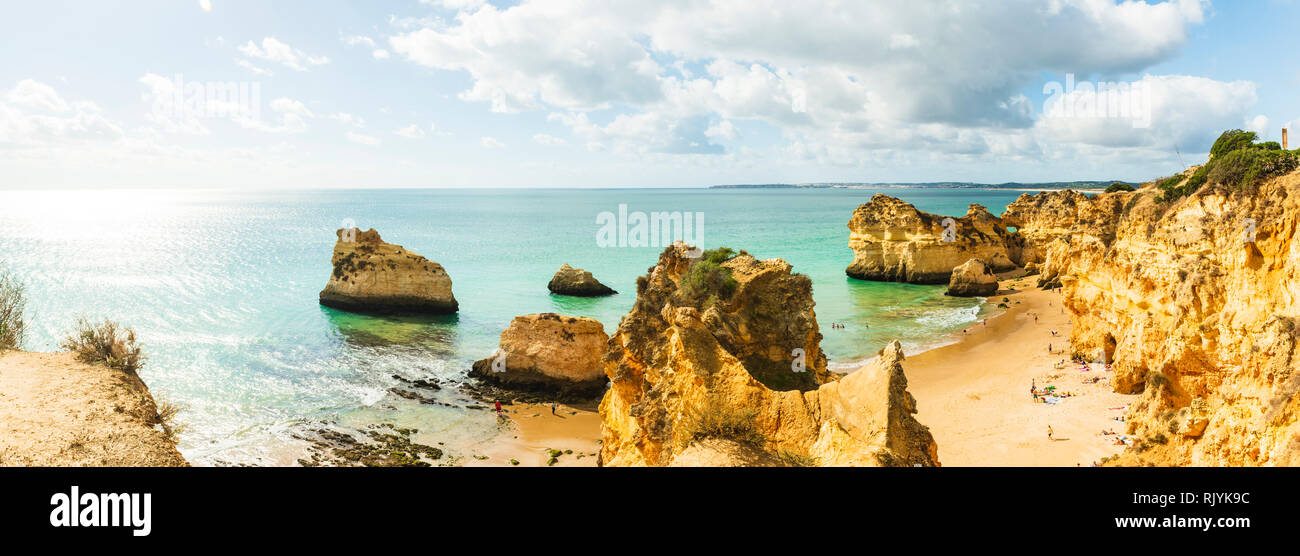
(1043, 217)
(893, 241)
(738, 378)
(972, 279)
(577, 282)
(373, 276)
(549, 353)
(1198, 320)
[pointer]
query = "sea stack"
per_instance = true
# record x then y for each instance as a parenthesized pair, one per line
(972, 279)
(372, 276)
(719, 364)
(553, 355)
(892, 241)
(577, 282)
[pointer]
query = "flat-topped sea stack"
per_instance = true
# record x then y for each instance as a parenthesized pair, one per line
(972, 279)
(372, 276)
(719, 364)
(577, 282)
(549, 354)
(892, 241)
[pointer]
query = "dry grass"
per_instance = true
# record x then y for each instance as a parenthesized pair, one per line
(13, 302)
(107, 343)
(718, 421)
(167, 412)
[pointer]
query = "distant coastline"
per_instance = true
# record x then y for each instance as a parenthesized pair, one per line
(1037, 186)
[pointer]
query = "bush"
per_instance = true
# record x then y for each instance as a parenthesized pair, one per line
(707, 277)
(108, 343)
(1118, 186)
(1232, 140)
(13, 302)
(1270, 146)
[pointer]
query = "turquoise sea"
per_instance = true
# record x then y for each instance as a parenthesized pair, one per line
(222, 287)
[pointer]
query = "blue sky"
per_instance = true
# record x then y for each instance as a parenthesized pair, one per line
(462, 93)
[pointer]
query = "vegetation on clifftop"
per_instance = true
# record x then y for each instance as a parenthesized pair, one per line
(707, 281)
(109, 343)
(1236, 162)
(13, 302)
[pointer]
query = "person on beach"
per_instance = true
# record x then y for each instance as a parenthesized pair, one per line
(1049, 432)
(552, 408)
(1049, 348)
(498, 407)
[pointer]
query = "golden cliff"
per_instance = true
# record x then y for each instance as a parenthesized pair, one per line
(374, 276)
(1196, 301)
(719, 363)
(893, 241)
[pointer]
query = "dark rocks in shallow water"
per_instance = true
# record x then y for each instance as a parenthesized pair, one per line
(381, 446)
(577, 282)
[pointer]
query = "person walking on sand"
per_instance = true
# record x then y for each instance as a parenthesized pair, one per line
(552, 408)
(1049, 432)
(498, 407)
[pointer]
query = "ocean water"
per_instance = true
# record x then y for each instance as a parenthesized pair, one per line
(222, 286)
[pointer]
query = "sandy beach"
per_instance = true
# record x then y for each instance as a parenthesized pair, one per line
(533, 431)
(975, 394)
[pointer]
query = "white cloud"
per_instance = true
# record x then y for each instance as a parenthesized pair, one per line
(272, 50)
(34, 115)
(362, 139)
(354, 40)
(252, 67)
(1259, 124)
(492, 143)
(347, 119)
(864, 83)
(456, 4)
(1178, 110)
(361, 40)
(33, 94)
(205, 5)
(410, 132)
(550, 140)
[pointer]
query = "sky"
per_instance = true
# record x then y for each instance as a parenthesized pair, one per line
(670, 93)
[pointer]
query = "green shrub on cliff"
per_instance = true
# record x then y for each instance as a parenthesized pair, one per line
(108, 343)
(1118, 186)
(1232, 140)
(1237, 162)
(13, 302)
(707, 280)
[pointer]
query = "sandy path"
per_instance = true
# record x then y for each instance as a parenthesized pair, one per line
(56, 411)
(974, 394)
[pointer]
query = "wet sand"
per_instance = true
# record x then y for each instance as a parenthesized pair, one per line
(530, 432)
